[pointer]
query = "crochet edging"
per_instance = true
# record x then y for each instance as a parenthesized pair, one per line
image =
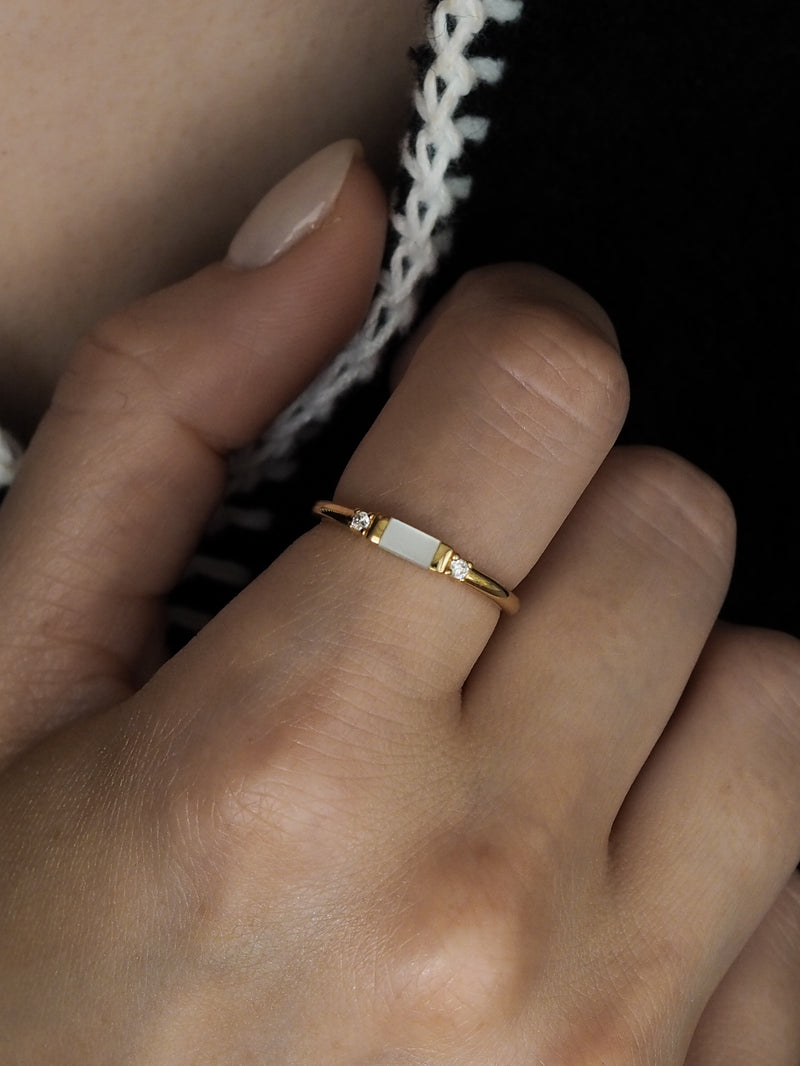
(420, 231)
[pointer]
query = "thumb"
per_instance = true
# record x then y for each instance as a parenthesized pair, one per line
(129, 461)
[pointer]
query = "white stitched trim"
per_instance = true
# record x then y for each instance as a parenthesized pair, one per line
(10, 455)
(503, 10)
(489, 70)
(419, 224)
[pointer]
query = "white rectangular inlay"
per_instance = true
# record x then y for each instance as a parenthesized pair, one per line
(409, 543)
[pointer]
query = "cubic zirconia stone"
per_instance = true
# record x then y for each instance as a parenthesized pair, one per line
(360, 521)
(459, 568)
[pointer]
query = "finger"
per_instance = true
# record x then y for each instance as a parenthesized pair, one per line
(615, 616)
(709, 833)
(513, 399)
(130, 459)
(753, 1018)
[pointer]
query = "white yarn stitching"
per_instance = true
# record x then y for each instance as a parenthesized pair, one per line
(10, 455)
(419, 227)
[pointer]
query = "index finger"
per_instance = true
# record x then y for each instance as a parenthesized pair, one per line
(131, 458)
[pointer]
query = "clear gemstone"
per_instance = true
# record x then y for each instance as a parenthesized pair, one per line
(360, 521)
(459, 568)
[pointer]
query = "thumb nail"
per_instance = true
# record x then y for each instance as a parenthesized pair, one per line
(295, 207)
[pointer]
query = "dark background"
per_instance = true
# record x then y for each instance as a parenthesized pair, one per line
(648, 153)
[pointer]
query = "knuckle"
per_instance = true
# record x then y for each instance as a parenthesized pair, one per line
(527, 283)
(318, 780)
(768, 665)
(543, 362)
(110, 368)
(678, 503)
(459, 957)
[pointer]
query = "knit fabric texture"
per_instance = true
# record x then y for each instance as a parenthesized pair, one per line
(10, 454)
(450, 68)
(648, 153)
(273, 483)
(299, 459)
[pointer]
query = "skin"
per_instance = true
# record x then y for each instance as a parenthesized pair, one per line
(405, 833)
(136, 139)
(382, 826)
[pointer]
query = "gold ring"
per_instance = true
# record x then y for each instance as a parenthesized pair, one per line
(417, 547)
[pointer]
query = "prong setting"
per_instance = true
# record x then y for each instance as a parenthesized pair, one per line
(459, 568)
(360, 522)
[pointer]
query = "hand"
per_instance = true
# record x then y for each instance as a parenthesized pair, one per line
(358, 820)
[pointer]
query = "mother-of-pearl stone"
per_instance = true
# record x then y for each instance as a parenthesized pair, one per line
(409, 543)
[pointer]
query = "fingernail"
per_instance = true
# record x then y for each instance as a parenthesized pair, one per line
(297, 205)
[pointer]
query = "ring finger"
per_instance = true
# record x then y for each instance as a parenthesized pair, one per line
(512, 401)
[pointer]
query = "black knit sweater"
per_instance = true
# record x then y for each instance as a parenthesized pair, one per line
(646, 151)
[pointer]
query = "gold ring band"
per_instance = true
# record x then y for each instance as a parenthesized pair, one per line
(417, 547)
